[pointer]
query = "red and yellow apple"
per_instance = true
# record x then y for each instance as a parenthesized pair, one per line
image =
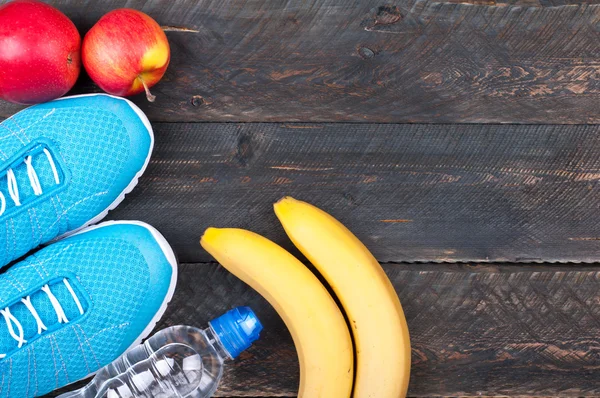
(126, 53)
(39, 52)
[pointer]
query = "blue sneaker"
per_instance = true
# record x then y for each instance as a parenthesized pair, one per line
(78, 304)
(64, 165)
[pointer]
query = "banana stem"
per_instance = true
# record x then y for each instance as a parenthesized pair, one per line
(149, 96)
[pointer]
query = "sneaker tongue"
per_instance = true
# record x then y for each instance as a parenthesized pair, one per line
(45, 175)
(46, 312)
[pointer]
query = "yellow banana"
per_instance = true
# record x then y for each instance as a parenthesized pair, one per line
(376, 318)
(315, 321)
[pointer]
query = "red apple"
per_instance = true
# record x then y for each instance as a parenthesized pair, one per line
(126, 52)
(39, 52)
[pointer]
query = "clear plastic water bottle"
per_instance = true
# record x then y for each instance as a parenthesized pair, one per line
(180, 361)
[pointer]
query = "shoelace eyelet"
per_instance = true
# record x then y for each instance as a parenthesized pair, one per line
(19, 334)
(13, 187)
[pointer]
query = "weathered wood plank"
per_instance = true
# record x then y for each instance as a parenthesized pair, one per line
(410, 192)
(371, 61)
(475, 330)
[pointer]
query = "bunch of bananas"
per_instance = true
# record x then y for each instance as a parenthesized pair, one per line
(377, 365)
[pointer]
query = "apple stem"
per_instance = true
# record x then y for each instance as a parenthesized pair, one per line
(149, 95)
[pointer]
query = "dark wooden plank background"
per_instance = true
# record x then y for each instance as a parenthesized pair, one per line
(475, 330)
(469, 188)
(411, 192)
(371, 61)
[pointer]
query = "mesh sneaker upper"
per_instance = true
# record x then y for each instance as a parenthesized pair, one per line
(111, 273)
(97, 144)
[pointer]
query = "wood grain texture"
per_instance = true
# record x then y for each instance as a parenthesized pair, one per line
(410, 192)
(371, 61)
(475, 330)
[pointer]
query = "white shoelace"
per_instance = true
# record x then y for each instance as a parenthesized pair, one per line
(12, 322)
(13, 188)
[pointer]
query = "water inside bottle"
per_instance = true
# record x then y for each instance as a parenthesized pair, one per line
(173, 371)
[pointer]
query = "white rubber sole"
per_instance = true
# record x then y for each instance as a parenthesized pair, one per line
(135, 180)
(169, 254)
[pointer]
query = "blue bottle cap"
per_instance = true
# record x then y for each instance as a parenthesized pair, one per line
(237, 329)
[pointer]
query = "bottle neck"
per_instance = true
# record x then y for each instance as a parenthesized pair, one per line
(214, 340)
